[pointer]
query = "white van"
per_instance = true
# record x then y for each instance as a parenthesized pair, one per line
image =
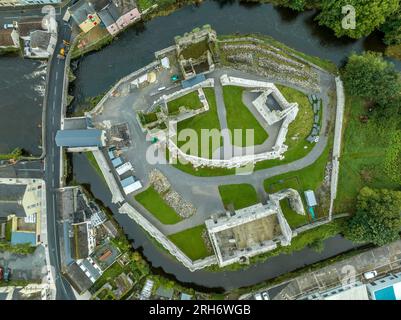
(258, 296)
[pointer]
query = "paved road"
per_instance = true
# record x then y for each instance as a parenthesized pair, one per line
(52, 159)
(49, 168)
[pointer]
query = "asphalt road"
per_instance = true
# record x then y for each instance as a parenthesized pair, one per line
(52, 158)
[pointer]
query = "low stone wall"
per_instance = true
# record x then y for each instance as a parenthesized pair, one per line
(234, 162)
(117, 196)
(129, 77)
(337, 143)
(165, 242)
(126, 208)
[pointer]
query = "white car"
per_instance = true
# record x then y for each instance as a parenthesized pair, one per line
(265, 296)
(370, 274)
(258, 296)
(8, 26)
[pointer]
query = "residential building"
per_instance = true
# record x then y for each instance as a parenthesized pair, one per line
(81, 140)
(118, 14)
(386, 288)
(9, 38)
(16, 3)
(84, 13)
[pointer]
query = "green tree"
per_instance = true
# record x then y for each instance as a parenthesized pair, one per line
(370, 14)
(378, 218)
(392, 29)
(371, 77)
(298, 5)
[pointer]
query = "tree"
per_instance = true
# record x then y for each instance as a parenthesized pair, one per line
(392, 29)
(369, 15)
(371, 77)
(378, 217)
(298, 5)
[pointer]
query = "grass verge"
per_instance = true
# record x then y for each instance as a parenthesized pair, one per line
(239, 116)
(238, 195)
(190, 241)
(155, 204)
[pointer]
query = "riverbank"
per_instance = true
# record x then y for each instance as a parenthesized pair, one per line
(164, 8)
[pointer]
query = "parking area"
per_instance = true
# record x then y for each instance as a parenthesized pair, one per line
(25, 267)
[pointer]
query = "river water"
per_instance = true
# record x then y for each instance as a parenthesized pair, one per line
(22, 84)
(21, 102)
(98, 71)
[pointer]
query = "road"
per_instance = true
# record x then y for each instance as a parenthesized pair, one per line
(52, 158)
(48, 168)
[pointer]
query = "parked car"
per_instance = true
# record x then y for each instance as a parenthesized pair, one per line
(8, 26)
(7, 274)
(258, 296)
(370, 274)
(265, 295)
(1, 273)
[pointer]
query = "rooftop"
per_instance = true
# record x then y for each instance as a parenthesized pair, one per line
(25, 27)
(40, 39)
(5, 38)
(79, 138)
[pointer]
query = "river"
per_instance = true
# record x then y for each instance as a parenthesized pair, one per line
(22, 84)
(134, 48)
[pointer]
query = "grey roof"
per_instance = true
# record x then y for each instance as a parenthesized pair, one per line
(124, 6)
(77, 278)
(79, 138)
(106, 18)
(40, 39)
(80, 10)
(11, 199)
(92, 270)
(26, 26)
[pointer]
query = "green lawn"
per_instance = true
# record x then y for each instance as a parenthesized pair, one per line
(307, 178)
(110, 274)
(362, 159)
(302, 125)
(154, 203)
(206, 120)
(189, 101)
(190, 241)
(310, 177)
(238, 195)
(239, 116)
(294, 219)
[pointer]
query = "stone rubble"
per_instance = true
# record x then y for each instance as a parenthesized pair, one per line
(162, 186)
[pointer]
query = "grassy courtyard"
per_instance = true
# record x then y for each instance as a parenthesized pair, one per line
(239, 116)
(190, 241)
(154, 203)
(189, 101)
(238, 195)
(363, 155)
(294, 219)
(207, 120)
(302, 125)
